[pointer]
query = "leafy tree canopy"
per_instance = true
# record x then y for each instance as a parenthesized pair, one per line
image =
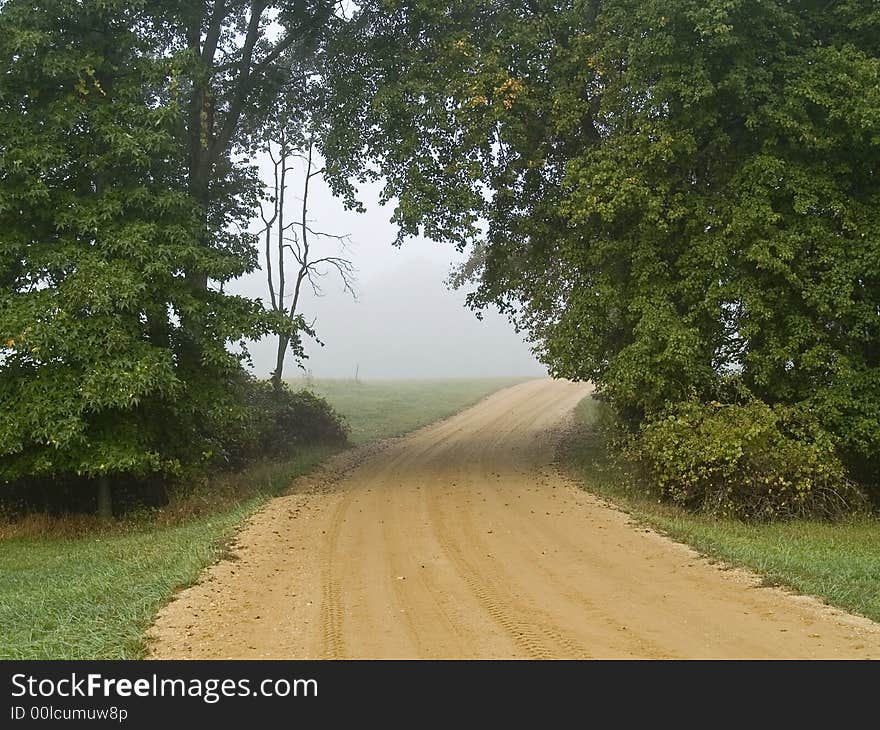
(669, 197)
(125, 198)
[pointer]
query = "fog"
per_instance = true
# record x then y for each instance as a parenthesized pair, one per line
(404, 323)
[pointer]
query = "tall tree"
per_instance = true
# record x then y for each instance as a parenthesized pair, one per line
(119, 232)
(93, 224)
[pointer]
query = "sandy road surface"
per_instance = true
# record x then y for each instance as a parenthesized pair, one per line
(461, 540)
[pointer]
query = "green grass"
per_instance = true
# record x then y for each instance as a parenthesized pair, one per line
(76, 589)
(93, 597)
(837, 562)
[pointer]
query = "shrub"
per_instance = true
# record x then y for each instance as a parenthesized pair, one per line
(274, 423)
(266, 423)
(286, 419)
(750, 461)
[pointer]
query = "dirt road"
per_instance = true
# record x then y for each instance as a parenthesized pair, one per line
(462, 541)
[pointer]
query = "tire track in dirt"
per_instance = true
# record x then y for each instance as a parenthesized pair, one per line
(331, 609)
(533, 530)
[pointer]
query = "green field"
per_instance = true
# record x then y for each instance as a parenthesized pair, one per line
(382, 408)
(70, 589)
(838, 562)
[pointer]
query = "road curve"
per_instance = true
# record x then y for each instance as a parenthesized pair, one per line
(461, 540)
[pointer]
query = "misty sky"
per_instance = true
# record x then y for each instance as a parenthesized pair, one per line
(405, 323)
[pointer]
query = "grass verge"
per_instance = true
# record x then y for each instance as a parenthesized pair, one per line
(86, 590)
(838, 562)
(76, 588)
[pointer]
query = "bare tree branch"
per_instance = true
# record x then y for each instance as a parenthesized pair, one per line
(345, 237)
(246, 74)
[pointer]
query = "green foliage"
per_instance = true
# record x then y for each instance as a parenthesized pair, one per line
(250, 422)
(746, 461)
(659, 192)
(84, 212)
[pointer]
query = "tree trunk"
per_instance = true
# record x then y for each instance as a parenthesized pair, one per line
(105, 499)
(192, 325)
(279, 363)
(158, 329)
